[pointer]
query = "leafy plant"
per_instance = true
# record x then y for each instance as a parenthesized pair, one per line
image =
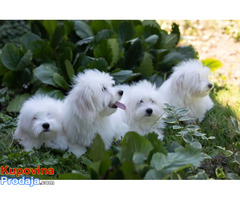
(52, 52)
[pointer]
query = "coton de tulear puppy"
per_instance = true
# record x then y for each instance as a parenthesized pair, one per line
(144, 111)
(88, 109)
(40, 123)
(189, 86)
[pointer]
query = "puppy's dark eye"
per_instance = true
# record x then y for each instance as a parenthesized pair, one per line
(34, 118)
(104, 89)
(152, 101)
(141, 101)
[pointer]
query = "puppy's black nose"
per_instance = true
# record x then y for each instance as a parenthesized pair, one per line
(46, 125)
(120, 92)
(210, 85)
(149, 111)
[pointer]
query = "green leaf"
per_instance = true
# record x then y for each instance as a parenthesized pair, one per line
(98, 25)
(152, 40)
(170, 41)
(60, 81)
(56, 94)
(156, 143)
(212, 63)
(139, 158)
(42, 51)
(185, 118)
(125, 31)
(233, 176)
(133, 55)
(83, 30)
(98, 63)
(58, 36)
(98, 151)
(133, 142)
(104, 35)
(129, 171)
(12, 58)
(16, 104)
(122, 75)
(117, 53)
(50, 26)
(28, 38)
(181, 158)
(69, 69)
(45, 73)
(146, 66)
(220, 172)
(103, 50)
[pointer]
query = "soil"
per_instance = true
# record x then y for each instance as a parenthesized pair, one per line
(210, 39)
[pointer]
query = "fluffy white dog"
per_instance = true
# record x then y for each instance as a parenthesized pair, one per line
(143, 112)
(88, 109)
(189, 86)
(40, 123)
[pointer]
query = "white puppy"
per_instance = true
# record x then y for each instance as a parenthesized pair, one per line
(87, 110)
(143, 112)
(40, 123)
(189, 86)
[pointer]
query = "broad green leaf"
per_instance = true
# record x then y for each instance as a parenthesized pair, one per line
(60, 81)
(83, 30)
(28, 38)
(156, 143)
(116, 50)
(98, 25)
(182, 157)
(69, 69)
(233, 176)
(185, 118)
(103, 50)
(58, 36)
(152, 40)
(98, 63)
(50, 26)
(212, 63)
(42, 51)
(170, 41)
(98, 151)
(175, 30)
(57, 94)
(104, 35)
(87, 40)
(45, 73)
(146, 66)
(125, 31)
(12, 58)
(138, 158)
(133, 55)
(122, 76)
(170, 120)
(133, 142)
(16, 104)
(129, 171)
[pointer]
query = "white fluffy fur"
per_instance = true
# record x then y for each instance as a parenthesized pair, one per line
(138, 98)
(30, 131)
(189, 86)
(87, 110)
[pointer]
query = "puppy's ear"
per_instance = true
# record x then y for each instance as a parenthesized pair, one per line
(85, 103)
(179, 81)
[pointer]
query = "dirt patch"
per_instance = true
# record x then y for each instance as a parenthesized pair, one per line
(211, 40)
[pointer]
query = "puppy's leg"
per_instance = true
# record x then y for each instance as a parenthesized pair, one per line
(77, 150)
